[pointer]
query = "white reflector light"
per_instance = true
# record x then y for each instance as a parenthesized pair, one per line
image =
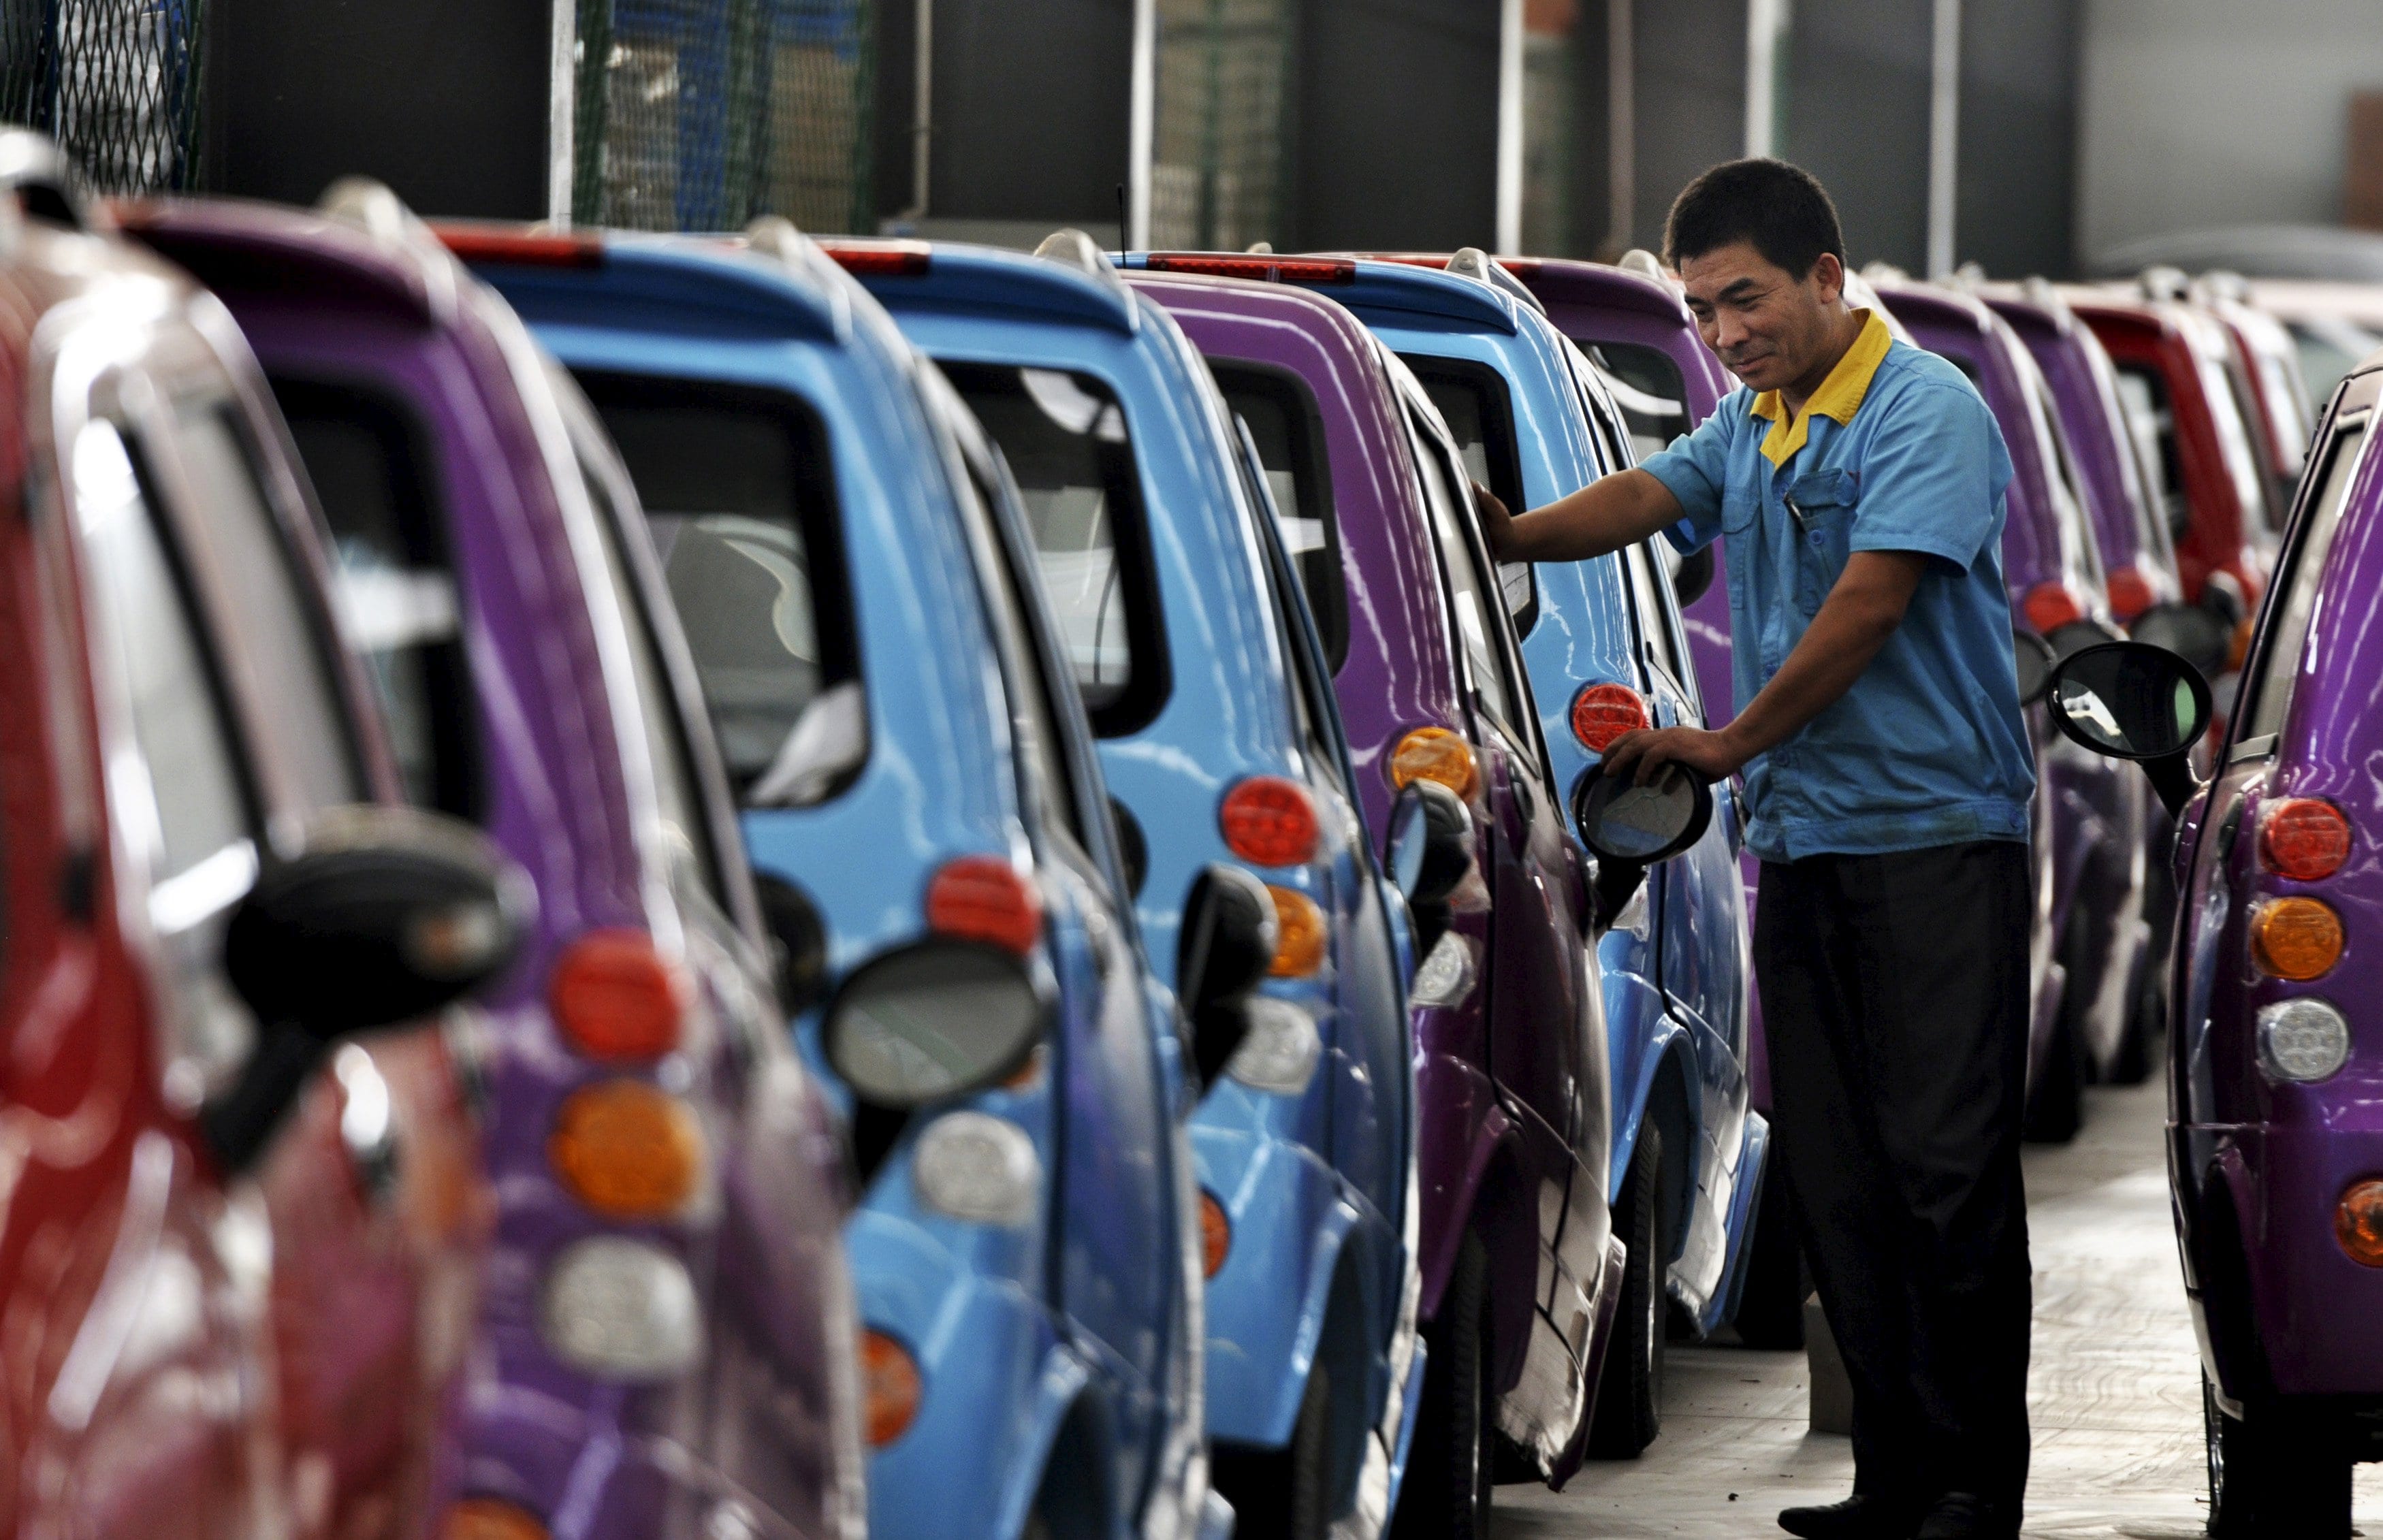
(2301, 1039)
(1280, 1053)
(622, 1309)
(1446, 976)
(975, 1166)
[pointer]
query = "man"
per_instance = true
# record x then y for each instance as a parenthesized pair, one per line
(1859, 482)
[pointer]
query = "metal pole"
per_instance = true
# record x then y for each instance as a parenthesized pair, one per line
(1766, 23)
(1142, 125)
(922, 105)
(1620, 124)
(1509, 126)
(1944, 136)
(561, 98)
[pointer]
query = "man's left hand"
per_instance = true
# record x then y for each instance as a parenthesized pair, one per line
(1710, 755)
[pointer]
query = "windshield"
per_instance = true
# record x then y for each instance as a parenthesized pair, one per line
(740, 498)
(1064, 435)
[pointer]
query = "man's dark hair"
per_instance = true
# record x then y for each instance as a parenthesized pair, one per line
(1782, 210)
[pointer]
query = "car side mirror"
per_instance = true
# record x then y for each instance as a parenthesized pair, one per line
(385, 915)
(2032, 656)
(1428, 853)
(1622, 820)
(2131, 700)
(1693, 576)
(934, 1020)
(797, 941)
(1228, 939)
(2198, 634)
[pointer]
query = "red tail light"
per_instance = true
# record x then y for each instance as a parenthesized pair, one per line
(2131, 593)
(1269, 822)
(520, 248)
(615, 997)
(1601, 713)
(2304, 839)
(892, 259)
(1265, 269)
(2050, 606)
(984, 898)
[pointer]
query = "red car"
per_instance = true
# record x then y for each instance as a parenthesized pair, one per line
(237, 1248)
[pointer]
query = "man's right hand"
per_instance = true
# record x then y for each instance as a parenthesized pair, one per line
(1497, 521)
(1606, 516)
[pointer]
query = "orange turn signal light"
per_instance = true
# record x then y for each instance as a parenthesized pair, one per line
(1434, 754)
(2304, 838)
(2358, 1222)
(891, 1388)
(984, 898)
(1269, 822)
(490, 1518)
(2295, 938)
(627, 1150)
(1601, 713)
(1300, 934)
(1216, 1234)
(616, 997)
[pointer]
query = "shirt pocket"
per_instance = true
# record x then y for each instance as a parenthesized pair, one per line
(1741, 502)
(1821, 509)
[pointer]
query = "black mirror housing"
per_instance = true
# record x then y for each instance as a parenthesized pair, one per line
(1228, 941)
(2032, 656)
(2132, 700)
(1621, 820)
(1429, 852)
(1694, 577)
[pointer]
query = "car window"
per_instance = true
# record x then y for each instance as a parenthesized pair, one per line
(2297, 581)
(1469, 588)
(2081, 557)
(373, 474)
(2143, 392)
(1283, 421)
(1474, 403)
(1066, 441)
(2218, 388)
(288, 644)
(677, 798)
(1647, 387)
(191, 807)
(1311, 695)
(739, 494)
(1645, 576)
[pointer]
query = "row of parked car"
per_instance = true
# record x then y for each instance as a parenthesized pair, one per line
(743, 886)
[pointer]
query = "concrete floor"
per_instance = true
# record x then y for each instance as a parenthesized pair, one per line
(2115, 1385)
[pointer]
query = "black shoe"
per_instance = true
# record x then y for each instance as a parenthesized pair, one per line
(1967, 1516)
(1863, 1516)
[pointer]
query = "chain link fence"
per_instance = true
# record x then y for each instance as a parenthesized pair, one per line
(1218, 177)
(700, 114)
(115, 82)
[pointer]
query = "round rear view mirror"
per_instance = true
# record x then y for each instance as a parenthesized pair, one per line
(937, 1019)
(1621, 820)
(2034, 656)
(2192, 632)
(2129, 700)
(1430, 848)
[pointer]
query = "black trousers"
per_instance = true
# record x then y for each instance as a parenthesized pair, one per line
(1895, 996)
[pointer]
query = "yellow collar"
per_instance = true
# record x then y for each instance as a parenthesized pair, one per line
(1839, 397)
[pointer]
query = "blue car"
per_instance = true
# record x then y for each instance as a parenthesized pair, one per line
(1193, 645)
(927, 821)
(1606, 650)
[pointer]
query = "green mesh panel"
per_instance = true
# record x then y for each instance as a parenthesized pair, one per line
(700, 114)
(1216, 173)
(115, 82)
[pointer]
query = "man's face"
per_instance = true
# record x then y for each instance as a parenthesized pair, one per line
(1768, 325)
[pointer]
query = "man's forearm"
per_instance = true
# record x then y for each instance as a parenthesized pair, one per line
(1608, 514)
(1860, 613)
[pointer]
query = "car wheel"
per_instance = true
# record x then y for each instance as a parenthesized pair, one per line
(1770, 1309)
(1447, 1491)
(2057, 1109)
(1630, 1394)
(2272, 1473)
(1285, 1494)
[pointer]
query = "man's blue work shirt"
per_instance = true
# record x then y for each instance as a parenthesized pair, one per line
(1896, 451)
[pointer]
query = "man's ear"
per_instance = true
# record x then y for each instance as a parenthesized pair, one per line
(1829, 278)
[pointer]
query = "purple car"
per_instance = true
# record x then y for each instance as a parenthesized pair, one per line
(2275, 1077)
(1519, 1263)
(666, 1343)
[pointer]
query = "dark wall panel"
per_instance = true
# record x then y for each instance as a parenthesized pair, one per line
(1691, 100)
(1858, 119)
(1031, 104)
(2016, 177)
(1396, 141)
(444, 100)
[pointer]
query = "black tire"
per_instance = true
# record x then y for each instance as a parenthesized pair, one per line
(1448, 1486)
(1770, 1309)
(1630, 1393)
(2056, 1108)
(2272, 1473)
(1285, 1494)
